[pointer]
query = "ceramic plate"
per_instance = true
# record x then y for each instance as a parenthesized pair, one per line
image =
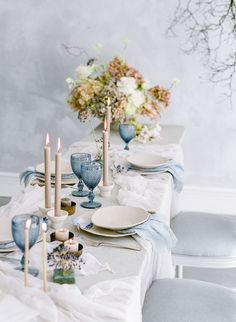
(119, 217)
(84, 223)
(65, 168)
(147, 161)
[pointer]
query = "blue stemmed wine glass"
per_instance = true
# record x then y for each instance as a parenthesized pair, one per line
(76, 160)
(91, 173)
(18, 232)
(127, 133)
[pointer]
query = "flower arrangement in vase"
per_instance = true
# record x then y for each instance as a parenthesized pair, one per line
(132, 99)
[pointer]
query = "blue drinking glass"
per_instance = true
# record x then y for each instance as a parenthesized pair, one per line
(76, 160)
(18, 233)
(91, 173)
(127, 133)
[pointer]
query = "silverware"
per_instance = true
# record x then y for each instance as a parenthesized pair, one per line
(110, 244)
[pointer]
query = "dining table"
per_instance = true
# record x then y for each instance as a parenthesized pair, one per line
(122, 269)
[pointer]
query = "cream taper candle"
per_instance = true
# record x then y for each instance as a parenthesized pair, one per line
(26, 253)
(44, 242)
(47, 173)
(105, 156)
(57, 201)
(108, 116)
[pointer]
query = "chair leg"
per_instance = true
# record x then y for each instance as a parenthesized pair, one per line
(179, 271)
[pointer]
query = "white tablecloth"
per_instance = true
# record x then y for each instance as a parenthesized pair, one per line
(104, 297)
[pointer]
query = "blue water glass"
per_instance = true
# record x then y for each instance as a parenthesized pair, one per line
(127, 133)
(18, 233)
(91, 173)
(76, 160)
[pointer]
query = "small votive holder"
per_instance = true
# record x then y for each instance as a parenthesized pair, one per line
(53, 236)
(68, 205)
(57, 222)
(62, 276)
(105, 191)
(62, 234)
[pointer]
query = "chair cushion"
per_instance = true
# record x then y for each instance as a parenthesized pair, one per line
(182, 300)
(204, 234)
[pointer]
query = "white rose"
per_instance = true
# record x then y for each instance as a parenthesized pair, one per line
(136, 98)
(155, 131)
(130, 109)
(70, 82)
(84, 71)
(126, 85)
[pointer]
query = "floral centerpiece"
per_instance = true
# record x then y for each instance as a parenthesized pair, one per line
(132, 99)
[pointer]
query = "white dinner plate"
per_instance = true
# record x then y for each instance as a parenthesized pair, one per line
(84, 223)
(147, 161)
(65, 168)
(119, 217)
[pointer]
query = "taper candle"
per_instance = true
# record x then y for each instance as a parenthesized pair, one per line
(57, 201)
(26, 253)
(44, 273)
(108, 116)
(47, 173)
(105, 155)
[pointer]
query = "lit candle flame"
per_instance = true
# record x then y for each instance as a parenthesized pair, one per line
(47, 139)
(28, 223)
(108, 101)
(105, 124)
(44, 227)
(58, 145)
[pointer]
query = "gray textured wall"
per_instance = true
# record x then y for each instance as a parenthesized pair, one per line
(34, 66)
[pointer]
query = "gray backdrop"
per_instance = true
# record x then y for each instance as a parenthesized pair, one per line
(34, 66)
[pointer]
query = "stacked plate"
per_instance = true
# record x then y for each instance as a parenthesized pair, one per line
(147, 163)
(67, 178)
(109, 221)
(6, 241)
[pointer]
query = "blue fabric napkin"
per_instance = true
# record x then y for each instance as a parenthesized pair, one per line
(29, 174)
(157, 232)
(175, 169)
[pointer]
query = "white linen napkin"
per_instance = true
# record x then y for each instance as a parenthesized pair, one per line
(27, 201)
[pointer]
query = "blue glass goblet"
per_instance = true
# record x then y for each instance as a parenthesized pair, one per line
(76, 160)
(127, 133)
(18, 233)
(91, 173)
